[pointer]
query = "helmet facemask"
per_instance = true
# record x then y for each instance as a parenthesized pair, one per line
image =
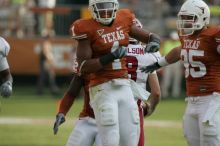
(187, 24)
(104, 12)
(194, 15)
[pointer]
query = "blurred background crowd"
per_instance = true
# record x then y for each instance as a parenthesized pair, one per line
(38, 32)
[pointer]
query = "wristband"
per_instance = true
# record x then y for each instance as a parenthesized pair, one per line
(163, 62)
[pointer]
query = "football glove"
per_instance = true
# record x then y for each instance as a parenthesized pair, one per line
(153, 44)
(60, 118)
(147, 109)
(119, 52)
(152, 47)
(6, 89)
(150, 68)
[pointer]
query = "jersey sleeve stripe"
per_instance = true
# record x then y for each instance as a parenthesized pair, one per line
(79, 37)
(217, 40)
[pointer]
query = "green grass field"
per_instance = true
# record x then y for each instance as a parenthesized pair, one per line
(27, 120)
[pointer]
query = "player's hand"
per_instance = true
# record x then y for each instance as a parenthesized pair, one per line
(6, 89)
(120, 52)
(153, 44)
(152, 47)
(147, 109)
(150, 68)
(60, 118)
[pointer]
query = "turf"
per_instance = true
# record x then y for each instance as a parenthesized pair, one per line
(42, 110)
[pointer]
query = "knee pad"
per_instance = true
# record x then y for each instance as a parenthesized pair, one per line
(210, 135)
(108, 114)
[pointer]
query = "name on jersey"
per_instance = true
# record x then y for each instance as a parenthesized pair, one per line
(138, 51)
(113, 36)
(191, 44)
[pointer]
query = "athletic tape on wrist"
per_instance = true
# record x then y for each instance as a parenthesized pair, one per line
(163, 62)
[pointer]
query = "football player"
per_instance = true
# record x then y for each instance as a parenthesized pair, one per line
(5, 75)
(111, 96)
(85, 132)
(199, 52)
(135, 59)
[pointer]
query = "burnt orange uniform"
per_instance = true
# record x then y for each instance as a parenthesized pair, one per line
(103, 39)
(201, 57)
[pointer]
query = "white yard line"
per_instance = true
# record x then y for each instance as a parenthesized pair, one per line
(162, 123)
(48, 121)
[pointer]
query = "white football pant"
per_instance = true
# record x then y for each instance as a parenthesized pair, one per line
(201, 121)
(116, 113)
(85, 133)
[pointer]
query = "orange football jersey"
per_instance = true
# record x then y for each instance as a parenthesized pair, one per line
(105, 39)
(201, 57)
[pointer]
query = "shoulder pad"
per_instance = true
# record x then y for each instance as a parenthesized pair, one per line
(126, 15)
(78, 30)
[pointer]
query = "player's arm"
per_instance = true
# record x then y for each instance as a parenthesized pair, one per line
(67, 101)
(155, 95)
(151, 39)
(6, 77)
(6, 80)
(89, 65)
(172, 57)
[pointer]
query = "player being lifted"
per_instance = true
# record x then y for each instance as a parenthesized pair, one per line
(135, 60)
(5, 75)
(110, 92)
(200, 54)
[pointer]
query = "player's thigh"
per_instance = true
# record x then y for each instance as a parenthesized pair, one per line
(191, 127)
(98, 141)
(210, 124)
(129, 120)
(106, 113)
(83, 134)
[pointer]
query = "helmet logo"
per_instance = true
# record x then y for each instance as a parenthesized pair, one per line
(201, 8)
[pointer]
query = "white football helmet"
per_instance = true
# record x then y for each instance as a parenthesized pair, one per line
(103, 11)
(138, 24)
(193, 15)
